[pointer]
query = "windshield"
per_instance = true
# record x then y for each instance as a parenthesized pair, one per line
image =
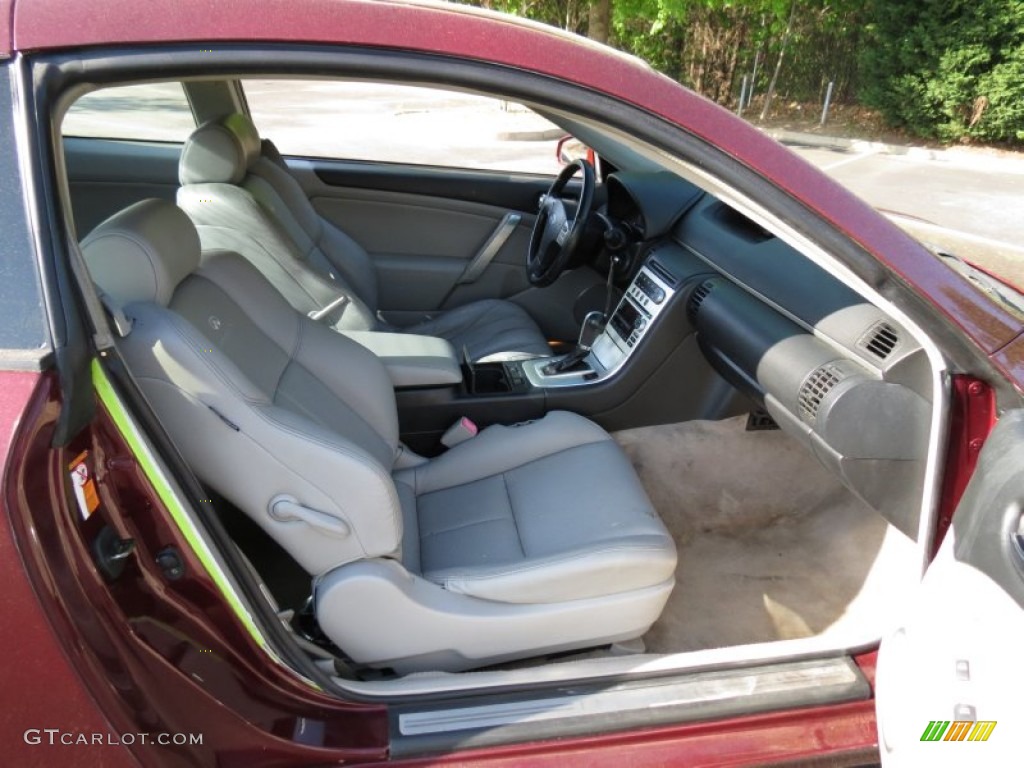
(964, 199)
(989, 284)
(995, 267)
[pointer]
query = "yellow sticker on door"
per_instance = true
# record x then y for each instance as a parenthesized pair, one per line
(84, 485)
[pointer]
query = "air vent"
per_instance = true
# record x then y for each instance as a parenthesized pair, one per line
(881, 340)
(816, 388)
(697, 297)
(661, 273)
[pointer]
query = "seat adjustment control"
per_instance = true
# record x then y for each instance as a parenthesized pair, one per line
(287, 509)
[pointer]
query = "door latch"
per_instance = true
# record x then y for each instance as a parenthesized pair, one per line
(111, 552)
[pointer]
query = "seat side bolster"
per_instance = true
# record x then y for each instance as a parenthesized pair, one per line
(280, 192)
(354, 374)
(600, 569)
(412, 625)
(499, 448)
(228, 217)
(351, 259)
(251, 451)
(350, 372)
(285, 199)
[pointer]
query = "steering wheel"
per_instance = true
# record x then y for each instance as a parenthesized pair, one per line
(556, 236)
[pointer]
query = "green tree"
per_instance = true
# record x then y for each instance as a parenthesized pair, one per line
(705, 44)
(567, 14)
(599, 20)
(710, 45)
(949, 70)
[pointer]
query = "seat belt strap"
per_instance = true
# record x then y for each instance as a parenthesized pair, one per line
(489, 250)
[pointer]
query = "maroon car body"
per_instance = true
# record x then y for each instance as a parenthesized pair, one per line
(160, 657)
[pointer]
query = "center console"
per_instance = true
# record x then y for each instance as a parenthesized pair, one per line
(644, 347)
(412, 360)
(494, 378)
(637, 312)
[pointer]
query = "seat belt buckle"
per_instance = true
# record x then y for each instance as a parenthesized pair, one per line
(459, 432)
(319, 314)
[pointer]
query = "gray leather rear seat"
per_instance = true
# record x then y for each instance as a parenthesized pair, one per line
(523, 540)
(245, 202)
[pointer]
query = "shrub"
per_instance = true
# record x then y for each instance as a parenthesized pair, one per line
(949, 70)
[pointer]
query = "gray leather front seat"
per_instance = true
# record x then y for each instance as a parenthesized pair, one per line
(246, 202)
(523, 540)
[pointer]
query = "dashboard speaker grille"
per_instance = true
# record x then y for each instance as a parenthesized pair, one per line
(816, 388)
(881, 340)
(697, 297)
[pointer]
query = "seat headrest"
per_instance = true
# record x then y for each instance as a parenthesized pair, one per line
(142, 252)
(219, 151)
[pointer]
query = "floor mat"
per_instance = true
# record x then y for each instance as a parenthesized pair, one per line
(771, 545)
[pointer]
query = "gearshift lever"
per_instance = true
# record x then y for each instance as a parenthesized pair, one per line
(593, 326)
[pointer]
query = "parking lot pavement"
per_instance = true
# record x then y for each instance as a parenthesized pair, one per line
(980, 197)
(964, 202)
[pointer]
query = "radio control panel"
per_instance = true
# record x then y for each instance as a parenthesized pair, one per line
(644, 300)
(638, 310)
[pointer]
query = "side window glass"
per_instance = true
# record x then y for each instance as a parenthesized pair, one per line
(150, 112)
(390, 123)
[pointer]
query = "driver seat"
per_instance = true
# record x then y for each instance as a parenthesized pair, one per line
(524, 540)
(243, 199)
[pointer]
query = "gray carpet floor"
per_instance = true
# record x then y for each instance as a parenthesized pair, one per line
(771, 545)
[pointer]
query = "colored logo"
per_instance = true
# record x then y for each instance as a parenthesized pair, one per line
(958, 730)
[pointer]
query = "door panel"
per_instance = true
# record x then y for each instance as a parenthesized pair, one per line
(106, 175)
(956, 659)
(502, 190)
(423, 226)
(421, 246)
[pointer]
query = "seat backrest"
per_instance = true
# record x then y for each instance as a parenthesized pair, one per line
(265, 404)
(327, 249)
(226, 192)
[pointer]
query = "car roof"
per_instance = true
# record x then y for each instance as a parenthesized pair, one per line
(427, 27)
(48, 24)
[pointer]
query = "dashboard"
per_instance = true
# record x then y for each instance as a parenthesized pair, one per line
(833, 370)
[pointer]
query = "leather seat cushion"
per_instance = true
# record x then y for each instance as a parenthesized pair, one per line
(490, 329)
(252, 205)
(544, 512)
